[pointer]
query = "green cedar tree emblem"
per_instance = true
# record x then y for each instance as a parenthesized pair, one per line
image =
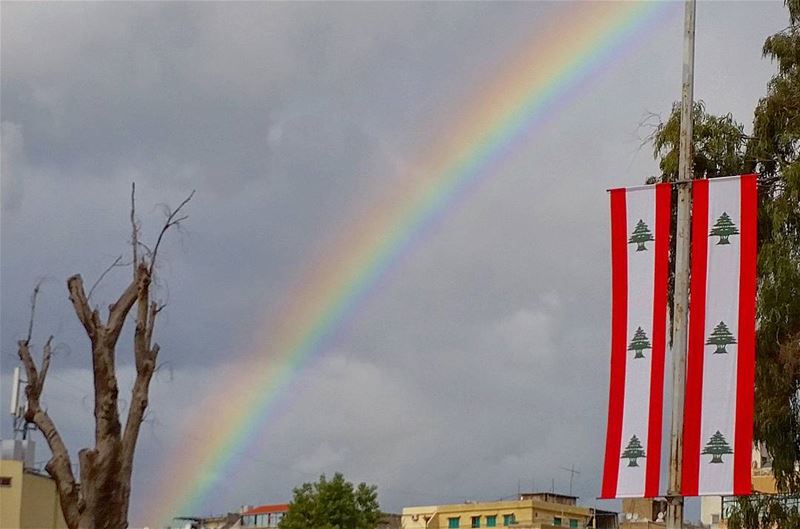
(633, 452)
(717, 447)
(721, 337)
(641, 234)
(639, 342)
(724, 228)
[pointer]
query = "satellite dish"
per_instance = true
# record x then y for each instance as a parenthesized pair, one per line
(635, 517)
(628, 516)
(660, 517)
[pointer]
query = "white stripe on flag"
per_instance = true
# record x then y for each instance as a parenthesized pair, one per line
(641, 212)
(721, 326)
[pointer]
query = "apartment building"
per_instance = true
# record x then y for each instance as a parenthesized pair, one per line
(28, 499)
(542, 510)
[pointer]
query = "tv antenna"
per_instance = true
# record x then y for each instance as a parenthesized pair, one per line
(572, 474)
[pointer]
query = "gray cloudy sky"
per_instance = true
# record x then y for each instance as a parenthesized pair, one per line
(480, 363)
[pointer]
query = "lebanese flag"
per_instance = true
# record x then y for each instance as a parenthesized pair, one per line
(640, 227)
(718, 409)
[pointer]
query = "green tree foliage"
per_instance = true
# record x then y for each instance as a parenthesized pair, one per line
(719, 144)
(773, 150)
(332, 504)
(717, 447)
(721, 336)
(633, 451)
(754, 512)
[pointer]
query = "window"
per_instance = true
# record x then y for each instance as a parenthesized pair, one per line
(491, 521)
(508, 519)
(557, 521)
(5, 481)
(715, 518)
(476, 521)
(573, 523)
(452, 523)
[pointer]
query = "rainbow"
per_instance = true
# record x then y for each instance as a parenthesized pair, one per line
(547, 74)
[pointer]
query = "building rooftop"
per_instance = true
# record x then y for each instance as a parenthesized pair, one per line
(267, 509)
(550, 497)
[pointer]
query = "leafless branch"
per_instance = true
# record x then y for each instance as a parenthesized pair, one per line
(46, 354)
(788, 29)
(172, 220)
(146, 248)
(650, 122)
(31, 373)
(166, 365)
(33, 311)
(88, 317)
(106, 271)
(151, 320)
(134, 228)
(59, 465)
(120, 309)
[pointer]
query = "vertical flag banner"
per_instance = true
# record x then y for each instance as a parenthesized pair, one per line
(640, 227)
(718, 410)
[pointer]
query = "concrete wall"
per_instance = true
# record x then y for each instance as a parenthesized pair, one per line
(710, 509)
(419, 517)
(11, 497)
(40, 505)
(31, 502)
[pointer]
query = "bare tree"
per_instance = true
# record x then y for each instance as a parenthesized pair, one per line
(100, 498)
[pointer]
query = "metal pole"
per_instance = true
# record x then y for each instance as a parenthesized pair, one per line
(681, 310)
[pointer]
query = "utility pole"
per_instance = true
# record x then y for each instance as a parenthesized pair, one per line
(681, 294)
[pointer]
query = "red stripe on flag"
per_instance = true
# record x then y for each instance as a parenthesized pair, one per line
(694, 362)
(619, 323)
(745, 356)
(660, 279)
